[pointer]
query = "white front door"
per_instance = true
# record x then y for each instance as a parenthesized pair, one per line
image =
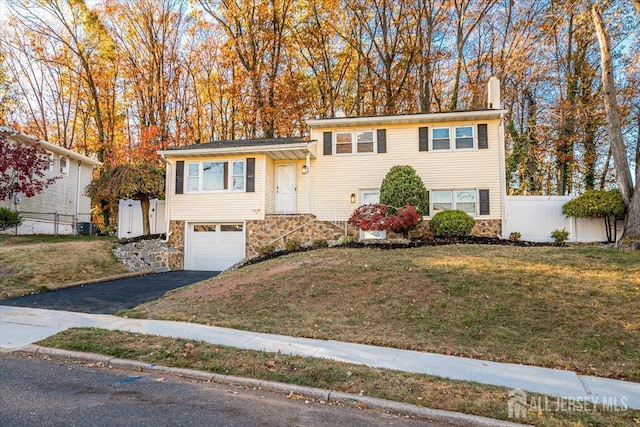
(286, 189)
(370, 197)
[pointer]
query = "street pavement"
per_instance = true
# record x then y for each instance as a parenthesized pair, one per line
(37, 392)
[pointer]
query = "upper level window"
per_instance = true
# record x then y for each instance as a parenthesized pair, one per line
(215, 176)
(441, 139)
(344, 142)
(355, 142)
(463, 138)
(64, 165)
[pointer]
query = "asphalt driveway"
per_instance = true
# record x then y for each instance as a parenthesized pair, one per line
(112, 296)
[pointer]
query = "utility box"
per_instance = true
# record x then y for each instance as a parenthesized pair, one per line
(86, 228)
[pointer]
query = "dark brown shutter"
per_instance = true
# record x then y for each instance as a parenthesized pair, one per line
(251, 175)
(423, 139)
(225, 184)
(483, 142)
(180, 177)
(382, 140)
(484, 202)
(327, 143)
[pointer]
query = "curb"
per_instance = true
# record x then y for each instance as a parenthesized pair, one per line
(109, 278)
(437, 415)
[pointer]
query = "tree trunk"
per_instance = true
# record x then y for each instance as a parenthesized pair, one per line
(614, 129)
(145, 205)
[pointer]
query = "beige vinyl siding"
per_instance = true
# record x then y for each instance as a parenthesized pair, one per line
(218, 206)
(336, 177)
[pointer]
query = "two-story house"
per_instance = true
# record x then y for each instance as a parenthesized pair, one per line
(59, 207)
(226, 199)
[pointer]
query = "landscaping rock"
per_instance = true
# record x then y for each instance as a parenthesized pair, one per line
(145, 255)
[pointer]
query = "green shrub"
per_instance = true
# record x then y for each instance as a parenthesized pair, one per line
(605, 204)
(346, 239)
(451, 223)
(402, 185)
(515, 236)
(320, 243)
(292, 245)
(266, 250)
(9, 219)
(560, 236)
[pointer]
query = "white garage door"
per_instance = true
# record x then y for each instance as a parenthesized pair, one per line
(214, 247)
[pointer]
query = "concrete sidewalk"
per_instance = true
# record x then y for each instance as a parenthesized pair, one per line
(22, 326)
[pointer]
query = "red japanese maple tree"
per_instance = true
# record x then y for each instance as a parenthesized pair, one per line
(22, 169)
(376, 217)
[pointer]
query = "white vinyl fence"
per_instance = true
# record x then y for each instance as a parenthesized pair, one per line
(130, 218)
(535, 217)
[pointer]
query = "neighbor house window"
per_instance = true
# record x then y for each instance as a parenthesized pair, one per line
(64, 165)
(455, 137)
(463, 200)
(51, 162)
(215, 176)
(355, 142)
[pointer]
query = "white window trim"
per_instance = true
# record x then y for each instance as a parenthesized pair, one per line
(452, 138)
(354, 142)
(51, 161)
(230, 175)
(453, 199)
(64, 170)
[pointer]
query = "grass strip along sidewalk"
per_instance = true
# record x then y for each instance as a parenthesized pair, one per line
(421, 390)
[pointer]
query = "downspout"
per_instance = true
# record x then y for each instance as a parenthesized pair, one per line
(167, 199)
(308, 180)
(75, 227)
(503, 177)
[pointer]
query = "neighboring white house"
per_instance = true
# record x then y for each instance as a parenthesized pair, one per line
(227, 199)
(61, 206)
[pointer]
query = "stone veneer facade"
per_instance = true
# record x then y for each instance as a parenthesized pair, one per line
(277, 229)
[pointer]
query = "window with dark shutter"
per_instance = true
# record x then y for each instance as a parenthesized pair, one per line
(483, 141)
(251, 175)
(484, 202)
(423, 139)
(382, 140)
(179, 177)
(327, 142)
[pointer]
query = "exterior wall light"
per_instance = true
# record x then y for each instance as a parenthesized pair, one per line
(353, 197)
(305, 169)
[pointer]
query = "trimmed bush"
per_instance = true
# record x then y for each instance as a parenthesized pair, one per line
(9, 218)
(344, 240)
(451, 223)
(266, 250)
(515, 236)
(292, 245)
(402, 185)
(560, 236)
(320, 243)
